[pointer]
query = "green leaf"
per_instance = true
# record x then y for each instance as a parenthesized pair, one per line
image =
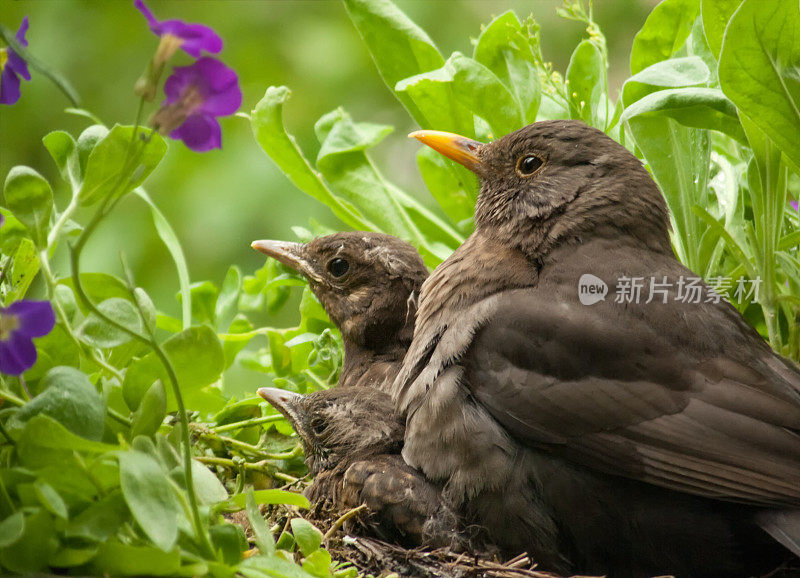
(64, 150)
(167, 235)
(507, 47)
(231, 348)
(456, 197)
(43, 432)
(151, 411)
(196, 355)
(117, 559)
(664, 32)
(204, 302)
(207, 487)
(150, 497)
(318, 563)
(480, 91)
(694, 107)
(716, 14)
(11, 529)
(679, 159)
(50, 499)
(100, 520)
(586, 84)
(32, 551)
(30, 198)
(69, 398)
(120, 162)
(399, 48)
(268, 128)
(87, 140)
(54, 349)
(97, 333)
(346, 166)
(307, 536)
(228, 297)
(759, 69)
(100, 286)
(23, 270)
(229, 539)
(273, 497)
(148, 309)
(261, 532)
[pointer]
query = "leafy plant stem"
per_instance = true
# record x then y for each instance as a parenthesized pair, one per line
(246, 423)
(75, 252)
(8, 396)
(88, 352)
(62, 219)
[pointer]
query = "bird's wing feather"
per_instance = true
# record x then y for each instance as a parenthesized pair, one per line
(607, 391)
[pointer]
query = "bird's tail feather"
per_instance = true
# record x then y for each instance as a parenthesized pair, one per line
(783, 526)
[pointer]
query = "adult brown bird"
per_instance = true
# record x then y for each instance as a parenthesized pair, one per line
(352, 440)
(367, 283)
(626, 438)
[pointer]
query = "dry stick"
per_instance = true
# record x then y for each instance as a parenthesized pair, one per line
(342, 519)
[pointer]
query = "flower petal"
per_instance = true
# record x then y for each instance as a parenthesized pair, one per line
(23, 30)
(9, 86)
(151, 20)
(196, 37)
(36, 318)
(175, 85)
(15, 61)
(18, 65)
(200, 133)
(795, 205)
(17, 354)
(222, 95)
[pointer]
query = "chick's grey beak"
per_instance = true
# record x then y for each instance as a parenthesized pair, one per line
(277, 398)
(290, 254)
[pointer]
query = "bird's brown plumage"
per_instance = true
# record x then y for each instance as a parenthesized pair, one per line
(627, 438)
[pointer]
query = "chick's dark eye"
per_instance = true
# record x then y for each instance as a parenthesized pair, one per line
(338, 267)
(528, 165)
(319, 426)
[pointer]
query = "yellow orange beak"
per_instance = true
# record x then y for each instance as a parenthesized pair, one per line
(459, 148)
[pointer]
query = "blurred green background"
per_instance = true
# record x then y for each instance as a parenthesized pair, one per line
(222, 200)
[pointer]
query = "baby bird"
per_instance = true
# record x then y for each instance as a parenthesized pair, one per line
(368, 284)
(352, 439)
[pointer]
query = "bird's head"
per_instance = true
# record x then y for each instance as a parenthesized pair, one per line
(557, 180)
(340, 426)
(365, 281)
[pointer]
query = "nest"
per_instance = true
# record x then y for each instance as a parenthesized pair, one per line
(348, 540)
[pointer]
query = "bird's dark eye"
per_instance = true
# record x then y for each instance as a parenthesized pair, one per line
(528, 165)
(319, 426)
(338, 267)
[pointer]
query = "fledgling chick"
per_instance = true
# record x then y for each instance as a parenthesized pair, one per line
(367, 283)
(352, 440)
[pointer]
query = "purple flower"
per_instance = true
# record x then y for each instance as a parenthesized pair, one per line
(196, 96)
(20, 322)
(795, 205)
(13, 66)
(191, 38)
